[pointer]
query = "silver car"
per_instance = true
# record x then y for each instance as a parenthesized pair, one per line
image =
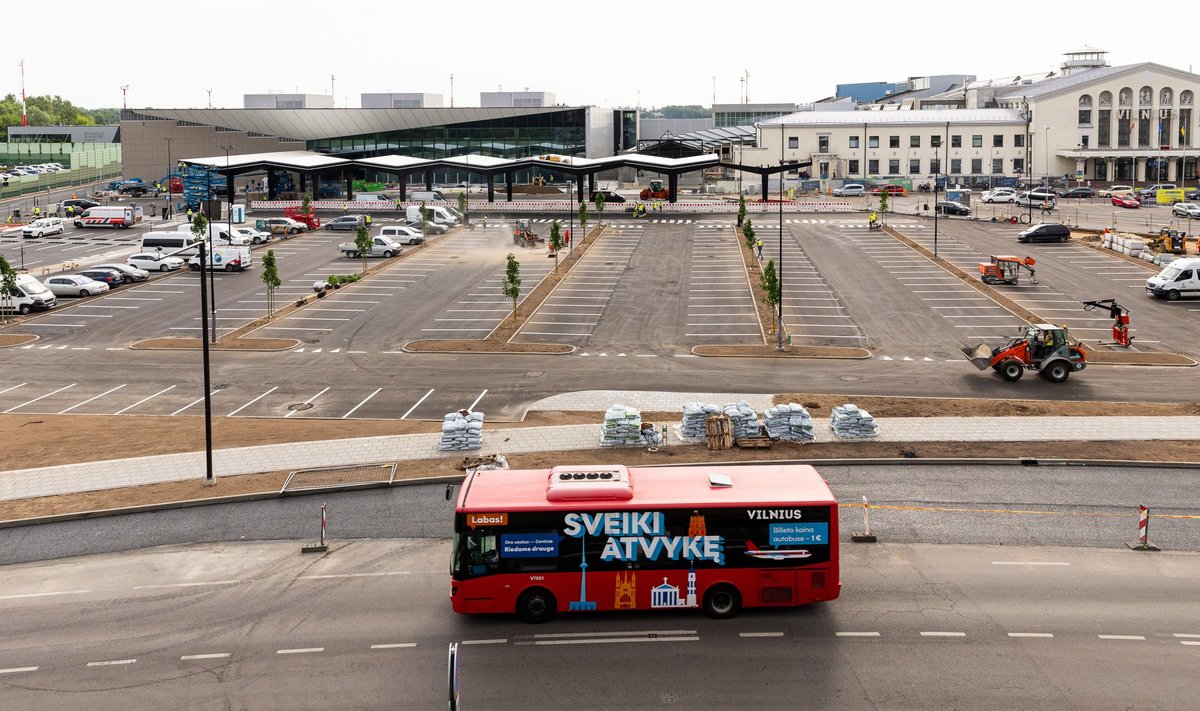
(1190, 210)
(431, 227)
(74, 285)
(128, 273)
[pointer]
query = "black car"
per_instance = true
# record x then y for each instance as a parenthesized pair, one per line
(79, 204)
(1078, 193)
(950, 207)
(609, 196)
(112, 277)
(1045, 232)
(1193, 195)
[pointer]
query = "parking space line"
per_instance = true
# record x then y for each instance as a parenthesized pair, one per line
(13, 388)
(42, 397)
(308, 401)
(63, 412)
(361, 403)
(418, 402)
(197, 400)
(243, 407)
(139, 402)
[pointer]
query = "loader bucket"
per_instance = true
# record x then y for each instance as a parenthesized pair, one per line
(980, 356)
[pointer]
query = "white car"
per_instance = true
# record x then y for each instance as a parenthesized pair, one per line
(850, 190)
(42, 227)
(74, 285)
(1000, 195)
(1189, 210)
(155, 263)
(253, 235)
(1116, 190)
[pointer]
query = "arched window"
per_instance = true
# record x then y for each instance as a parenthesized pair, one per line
(1126, 96)
(1165, 97)
(1105, 99)
(1085, 101)
(1185, 98)
(1145, 96)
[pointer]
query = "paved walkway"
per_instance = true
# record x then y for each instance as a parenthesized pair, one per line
(93, 476)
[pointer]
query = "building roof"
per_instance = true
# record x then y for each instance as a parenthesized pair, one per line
(1063, 82)
(927, 116)
(315, 124)
(294, 160)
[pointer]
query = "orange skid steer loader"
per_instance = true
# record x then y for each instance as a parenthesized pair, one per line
(1006, 269)
(1043, 347)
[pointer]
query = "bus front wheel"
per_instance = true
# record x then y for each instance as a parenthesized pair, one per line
(722, 602)
(536, 606)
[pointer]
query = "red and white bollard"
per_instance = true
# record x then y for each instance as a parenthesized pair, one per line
(324, 515)
(320, 547)
(865, 536)
(1143, 541)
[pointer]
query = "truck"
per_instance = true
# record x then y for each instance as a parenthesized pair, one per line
(380, 247)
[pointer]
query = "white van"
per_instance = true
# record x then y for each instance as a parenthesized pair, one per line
(106, 217)
(169, 243)
(220, 233)
(43, 227)
(372, 197)
(29, 294)
(231, 259)
(1180, 278)
(402, 234)
(426, 195)
(435, 213)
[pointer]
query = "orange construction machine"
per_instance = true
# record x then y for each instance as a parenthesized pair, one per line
(1006, 269)
(308, 218)
(1120, 317)
(655, 191)
(1043, 347)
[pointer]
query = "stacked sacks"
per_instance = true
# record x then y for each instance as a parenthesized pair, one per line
(622, 427)
(850, 422)
(744, 420)
(790, 422)
(694, 416)
(461, 431)
(651, 434)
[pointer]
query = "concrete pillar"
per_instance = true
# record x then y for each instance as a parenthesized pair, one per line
(673, 187)
(429, 180)
(591, 183)
(349, 178)
(1172, 170)
(1139, 169)
(579, 187)
(271, 184)
(403, 187)
(508, 183)
(303, 183)
(765, 184)
(491, 183)
(229, 194)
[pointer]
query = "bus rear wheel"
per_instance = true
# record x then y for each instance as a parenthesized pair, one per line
(536, 606)
(722, 602)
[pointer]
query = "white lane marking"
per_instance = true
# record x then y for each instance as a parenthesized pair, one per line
(1186, 635)
(760, 634)
(1190, 642)
(1030, 634)
(94, 397)
(626, 633)
(17, 670)
(401, 645)
(364, 402)
(22, 596)
(943, 634)
(333, 576)
(192, 657)
(187, 585)
(43, 397)
(111, 663)
(243, 407)
(1028, 562)
(485, 641)
(304, 650)
(196, 401)
(614, 640)
(139, 402)
(1122, 636)
(405, 415)
(13, 388)
(308, 401)
(472, 405)
(856, 634)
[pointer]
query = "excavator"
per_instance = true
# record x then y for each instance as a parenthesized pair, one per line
(1006, 269)
(655, 191)
(1169, 241)
(1043, 347)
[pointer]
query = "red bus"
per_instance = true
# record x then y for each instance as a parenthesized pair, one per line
(538, 542)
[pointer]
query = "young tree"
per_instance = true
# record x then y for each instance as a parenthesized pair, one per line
(883, 201)
(583, 220)
(555, 241)
(741, 210)
(462, 207)
(200, 232)
(362, 242)
(748, 233)
(769, 282)
(8, 286)
(306, 204)
(424, 220)
(512, 280)
(599, 199)
(270, 277)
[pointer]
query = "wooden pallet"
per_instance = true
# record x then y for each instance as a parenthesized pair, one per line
(754, 443)
(719, 430)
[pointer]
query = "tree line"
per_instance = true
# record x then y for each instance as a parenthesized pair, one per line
(53, 111)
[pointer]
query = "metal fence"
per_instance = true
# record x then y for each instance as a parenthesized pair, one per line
(323, 477)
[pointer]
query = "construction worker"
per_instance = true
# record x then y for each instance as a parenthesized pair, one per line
(37, 212)
(70, 211)
(367, 220)
(872, 220)
(189, 215)
(759, 245)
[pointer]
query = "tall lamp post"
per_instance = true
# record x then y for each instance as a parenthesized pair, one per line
(779, 265)
(1046, 155)
(170, 167)
(212, 284)
(208, 446)
(571, 216)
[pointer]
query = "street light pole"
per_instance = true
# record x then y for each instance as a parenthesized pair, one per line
(779, 265)
(170, 166)
(208, 448)
(571, 216)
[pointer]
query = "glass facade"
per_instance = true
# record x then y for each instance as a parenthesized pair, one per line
(744, 118)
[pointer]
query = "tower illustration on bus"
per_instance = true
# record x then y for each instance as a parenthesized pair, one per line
(579, 539)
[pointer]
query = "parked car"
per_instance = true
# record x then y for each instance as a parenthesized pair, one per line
(346, 222)
(1189, 210)
(850, 190)
(609, 196)
(284, 226)
(999, 195)
(1126, 200)
(891, 190)
(1080, 192)
(154, 263)
(431, 228)
(1193, 195)
(44, 226)
(950, 207)
(1152, 191)
(1115, 190)
(253, 235)
(403, 234)
(74, 285)
(112, 277)
(128, 273)
(1045, 232)
(1037, 198)
(79, 204)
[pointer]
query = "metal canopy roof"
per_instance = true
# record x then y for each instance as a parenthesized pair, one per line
(295, 160)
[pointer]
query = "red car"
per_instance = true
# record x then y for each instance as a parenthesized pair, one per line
(1125, 201)
(891, 190)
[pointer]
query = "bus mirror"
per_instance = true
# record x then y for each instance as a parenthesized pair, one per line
(449, 489)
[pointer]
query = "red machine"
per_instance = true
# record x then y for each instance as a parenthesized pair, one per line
(655, 191)
(1043, 347)
(308, 218)
(1120, 317)
(1005, 269)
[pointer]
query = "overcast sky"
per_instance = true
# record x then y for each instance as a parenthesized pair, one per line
(601, 53)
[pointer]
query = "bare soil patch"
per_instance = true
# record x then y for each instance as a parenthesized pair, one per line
(222, 344)
(8, 340)
(819, 405)
(485, 346)
(788, 351)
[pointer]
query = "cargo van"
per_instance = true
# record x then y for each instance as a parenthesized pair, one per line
(372, 197)
(436, 214)
(121, 217)
(28, 295)
(1180, 278)
(220, 233)
(231, 259)
(426, 195)
(169, 243)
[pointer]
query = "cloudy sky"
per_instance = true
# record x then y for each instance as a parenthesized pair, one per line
(612, 53)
